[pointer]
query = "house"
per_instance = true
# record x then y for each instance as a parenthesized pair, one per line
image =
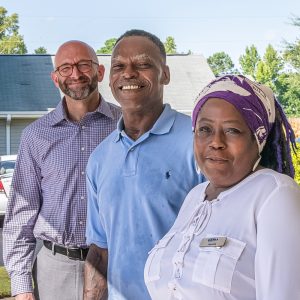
(27, 91)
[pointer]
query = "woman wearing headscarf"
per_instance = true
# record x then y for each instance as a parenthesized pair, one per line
(236, 235)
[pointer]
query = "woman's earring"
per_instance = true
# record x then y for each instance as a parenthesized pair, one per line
(197, 168)
(256, 163)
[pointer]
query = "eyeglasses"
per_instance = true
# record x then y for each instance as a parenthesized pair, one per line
(83, 66)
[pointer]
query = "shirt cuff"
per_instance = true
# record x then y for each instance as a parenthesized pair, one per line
(21, 284)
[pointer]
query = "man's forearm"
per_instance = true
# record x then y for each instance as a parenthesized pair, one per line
(25, 296)
(95, 272)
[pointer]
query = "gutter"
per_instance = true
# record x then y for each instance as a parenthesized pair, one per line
(22, 114)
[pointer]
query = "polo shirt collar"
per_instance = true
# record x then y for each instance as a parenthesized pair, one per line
(59, 113)
(165, 121)
(162, 125)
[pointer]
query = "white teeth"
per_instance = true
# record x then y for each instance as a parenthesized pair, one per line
(130, 87)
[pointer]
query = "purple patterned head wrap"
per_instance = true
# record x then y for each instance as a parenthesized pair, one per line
(255, 102)
(259, 108)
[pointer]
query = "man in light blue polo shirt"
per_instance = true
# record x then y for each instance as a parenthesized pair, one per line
(139, 176)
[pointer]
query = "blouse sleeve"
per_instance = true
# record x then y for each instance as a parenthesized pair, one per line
(277, 266)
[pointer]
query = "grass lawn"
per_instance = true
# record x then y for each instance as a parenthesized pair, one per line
(5, 284)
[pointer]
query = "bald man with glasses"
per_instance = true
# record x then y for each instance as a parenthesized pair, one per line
(48, 199)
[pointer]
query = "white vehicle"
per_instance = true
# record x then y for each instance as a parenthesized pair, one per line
(7, 165)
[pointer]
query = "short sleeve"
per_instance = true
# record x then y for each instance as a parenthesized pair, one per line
(95, 232)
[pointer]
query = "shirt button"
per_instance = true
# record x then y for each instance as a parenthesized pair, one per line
(82, 197)
(80, 222)
(82, 172)
(82, 148)
(82, 126)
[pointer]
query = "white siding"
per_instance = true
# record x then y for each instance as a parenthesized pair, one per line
(17, 125)
(2, 137)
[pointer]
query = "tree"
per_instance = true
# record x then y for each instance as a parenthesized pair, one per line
(221, 64)
(270, 71)
(249, 61)
(11, 42)
(40, 50)
(108, 46)
(292, 51)
(170, 45)
(289, 87)
(269, 68)
(290, 82)
(292, 54)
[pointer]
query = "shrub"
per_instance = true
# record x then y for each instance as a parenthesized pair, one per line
(296, 162)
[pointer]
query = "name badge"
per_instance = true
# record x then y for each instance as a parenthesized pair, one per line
(213, 241)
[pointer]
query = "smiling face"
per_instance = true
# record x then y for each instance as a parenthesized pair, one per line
(138, 73)
(78, 85)
(225, 148)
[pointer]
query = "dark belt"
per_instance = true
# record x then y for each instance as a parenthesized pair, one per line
(72, 253)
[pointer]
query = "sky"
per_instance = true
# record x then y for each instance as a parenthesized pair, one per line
(204, 27)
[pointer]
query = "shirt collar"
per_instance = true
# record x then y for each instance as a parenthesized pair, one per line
(104, 108)
(162, 125)
(59, 113)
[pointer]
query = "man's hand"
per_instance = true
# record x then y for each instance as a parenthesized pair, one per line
(25, 296)
(95, 272)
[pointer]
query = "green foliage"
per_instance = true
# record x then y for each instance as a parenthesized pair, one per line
(249, 61)
(8, 25)
(170, 45)
(292, 50)
(296, 21)
(221, 64)
(296, 162)
(270, 71)
(292, 54)
(40, 50)
(108, 46)
(5, 283)
(273, 62)
(269, 68)
(290, 82)
(288, 85)
(11, 42)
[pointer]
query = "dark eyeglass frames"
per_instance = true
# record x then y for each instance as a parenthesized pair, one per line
(82, 66)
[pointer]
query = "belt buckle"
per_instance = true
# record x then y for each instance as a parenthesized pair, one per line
(75, 258)
(68, 254)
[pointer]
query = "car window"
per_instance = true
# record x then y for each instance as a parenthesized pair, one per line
(7, 166)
